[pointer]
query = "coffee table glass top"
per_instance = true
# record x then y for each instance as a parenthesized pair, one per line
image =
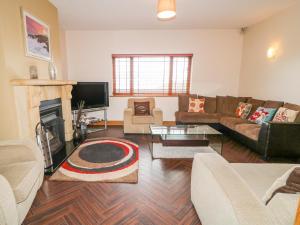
(183, 130)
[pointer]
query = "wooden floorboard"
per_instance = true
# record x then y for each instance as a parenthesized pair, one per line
(162, 195)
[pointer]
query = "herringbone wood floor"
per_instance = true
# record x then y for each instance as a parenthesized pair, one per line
(162, 195)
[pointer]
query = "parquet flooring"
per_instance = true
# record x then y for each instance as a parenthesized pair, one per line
(162, 195)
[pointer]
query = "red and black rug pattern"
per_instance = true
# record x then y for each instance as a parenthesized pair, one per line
(105, 160)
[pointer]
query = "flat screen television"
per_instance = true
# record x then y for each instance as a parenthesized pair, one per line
(94, 94)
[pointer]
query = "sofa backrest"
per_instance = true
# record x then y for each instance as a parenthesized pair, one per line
(183, 101)
(273, 104)
(228, 104)
(210, 105)
(255, 104)
(132, 100)
(293, 107)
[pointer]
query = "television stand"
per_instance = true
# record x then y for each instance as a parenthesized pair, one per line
(92, 129)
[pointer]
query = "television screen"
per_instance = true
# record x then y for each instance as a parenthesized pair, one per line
(94, 94)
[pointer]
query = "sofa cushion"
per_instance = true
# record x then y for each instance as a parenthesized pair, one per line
(210, 105)
(233, 102)
(293, 107)
(249, 130)
(196, 104)
(22, 177)
(141, 108)
(186, 117)
(143, 119)
(14, 154)
(289, 182)
(284, 206)
(255, 104)
(262, 115)
(285, 115)
(260, 177)
(273, 104)
(183, 102)
(221, 104)
(228, 104)
(231, 122)
(243, 110)
(131, 102)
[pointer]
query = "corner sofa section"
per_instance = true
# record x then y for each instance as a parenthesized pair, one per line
(269, 139)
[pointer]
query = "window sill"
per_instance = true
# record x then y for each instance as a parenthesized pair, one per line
(143, 95)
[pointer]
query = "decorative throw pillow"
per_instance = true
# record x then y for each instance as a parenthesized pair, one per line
(285, 115)
(196, 105)
(287, 183)
(243, 110)
(262, 115)
(142, 108)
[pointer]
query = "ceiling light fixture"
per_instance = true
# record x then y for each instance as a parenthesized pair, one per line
(166, 9)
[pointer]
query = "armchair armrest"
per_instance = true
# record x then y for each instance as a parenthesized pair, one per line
(158, 116)
(280, 139)
(128, 113)
(8, 208)
(31, 145)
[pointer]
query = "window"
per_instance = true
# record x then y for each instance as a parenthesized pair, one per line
(161, 74)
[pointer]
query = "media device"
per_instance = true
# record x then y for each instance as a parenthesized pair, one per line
(94, 94)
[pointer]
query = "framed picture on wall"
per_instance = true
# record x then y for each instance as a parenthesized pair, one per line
(37, 37)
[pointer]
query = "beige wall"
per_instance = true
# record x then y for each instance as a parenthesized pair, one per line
(13, 62)
(215, 68)
(278, 78)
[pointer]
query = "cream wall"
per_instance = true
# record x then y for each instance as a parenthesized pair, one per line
(215, 69)
(13, 62)
(279, 78)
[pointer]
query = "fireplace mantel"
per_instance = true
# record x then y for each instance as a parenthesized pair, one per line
(39, 82)
(28, 96)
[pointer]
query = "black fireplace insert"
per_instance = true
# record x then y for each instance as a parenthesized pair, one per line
(52, 121)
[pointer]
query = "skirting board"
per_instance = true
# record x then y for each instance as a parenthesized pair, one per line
(120, 123)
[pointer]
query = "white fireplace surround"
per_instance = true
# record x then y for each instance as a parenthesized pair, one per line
(28, 96)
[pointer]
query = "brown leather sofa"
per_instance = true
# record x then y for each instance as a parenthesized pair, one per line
(269, 139)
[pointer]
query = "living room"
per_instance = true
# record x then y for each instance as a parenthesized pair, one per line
(149, 112)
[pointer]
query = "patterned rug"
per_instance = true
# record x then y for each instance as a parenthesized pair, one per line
(102, 160)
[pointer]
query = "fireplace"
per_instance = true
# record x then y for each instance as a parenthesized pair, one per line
(52, 121)
(36, 98)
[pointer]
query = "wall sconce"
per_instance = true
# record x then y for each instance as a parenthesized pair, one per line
(271, 53)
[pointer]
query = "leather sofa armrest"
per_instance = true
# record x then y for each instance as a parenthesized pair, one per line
(158, 116)
(8, 207)
(280, 139)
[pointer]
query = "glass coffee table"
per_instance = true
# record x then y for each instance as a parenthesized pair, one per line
(184, 140)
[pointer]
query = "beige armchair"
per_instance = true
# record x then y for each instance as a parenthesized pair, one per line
(21, 175)
(141, 124)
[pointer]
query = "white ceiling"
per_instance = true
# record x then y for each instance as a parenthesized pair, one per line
(141, 14)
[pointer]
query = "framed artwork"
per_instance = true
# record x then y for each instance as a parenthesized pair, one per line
(37, 37)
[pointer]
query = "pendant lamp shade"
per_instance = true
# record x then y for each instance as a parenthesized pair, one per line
(166, 9)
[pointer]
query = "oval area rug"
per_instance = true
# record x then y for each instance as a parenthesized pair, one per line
(102, 160)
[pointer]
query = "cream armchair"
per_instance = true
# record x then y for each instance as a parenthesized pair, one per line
(141, 124)
(21, 175)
